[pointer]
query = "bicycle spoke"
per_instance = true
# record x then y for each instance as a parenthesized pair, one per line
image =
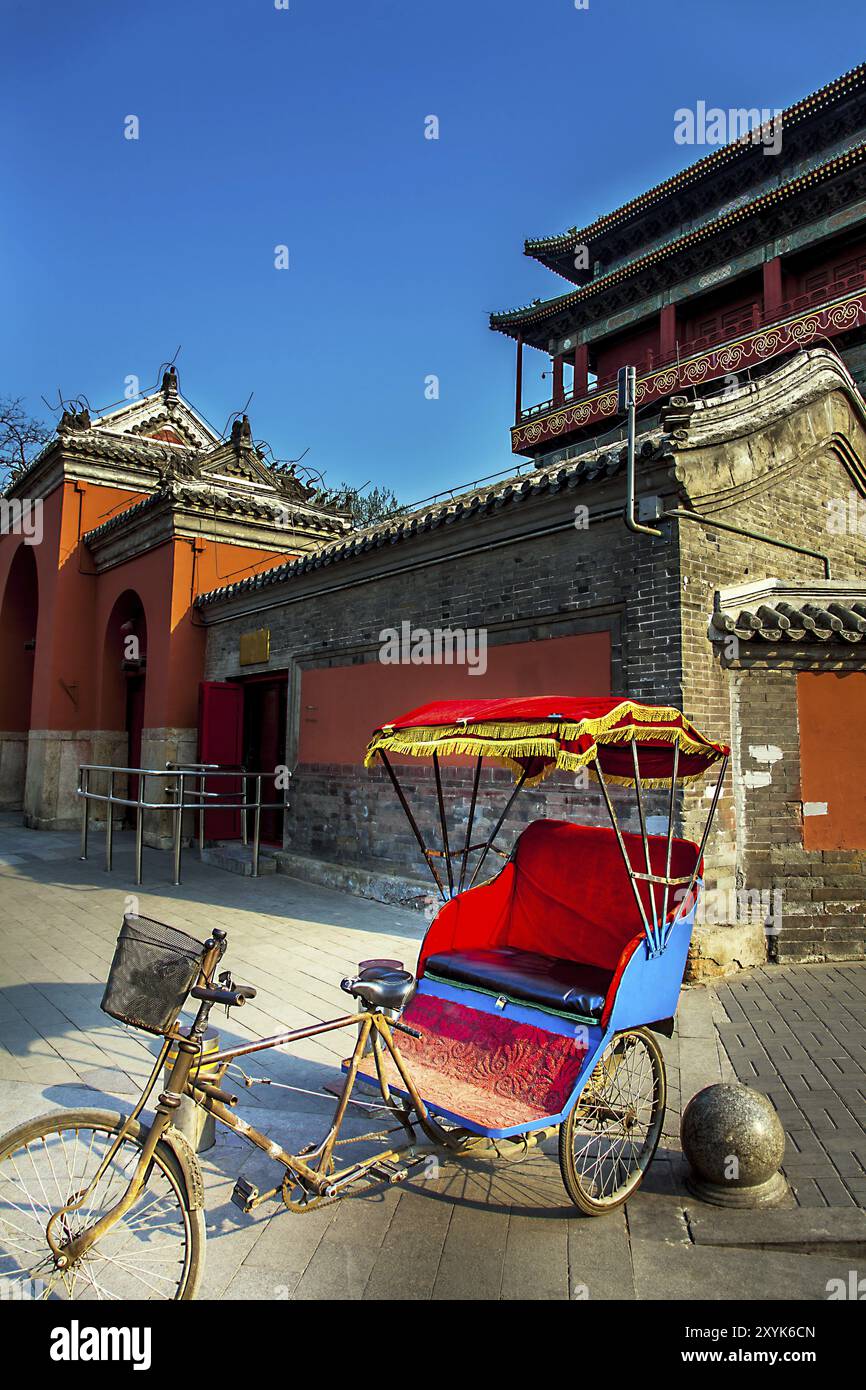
(617, 1124)
(144, 1254)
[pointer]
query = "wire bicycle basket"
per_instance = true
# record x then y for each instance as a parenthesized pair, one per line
(153, 970)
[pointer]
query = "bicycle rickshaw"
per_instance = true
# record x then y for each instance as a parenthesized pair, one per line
(534, 1003)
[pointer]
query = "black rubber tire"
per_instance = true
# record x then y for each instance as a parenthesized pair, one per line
(109, 1122)
(584, 1200)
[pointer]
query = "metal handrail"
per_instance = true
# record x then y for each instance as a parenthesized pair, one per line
(179, 797)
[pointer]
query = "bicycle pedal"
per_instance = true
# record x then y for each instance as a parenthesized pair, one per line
(389, 1171)
(244, 1194)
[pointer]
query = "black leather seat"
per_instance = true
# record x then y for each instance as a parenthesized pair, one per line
(382, 987)
(525, 975)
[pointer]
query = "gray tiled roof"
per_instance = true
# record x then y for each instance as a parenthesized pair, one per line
(211, 500)
(801, 621)
(589, 468)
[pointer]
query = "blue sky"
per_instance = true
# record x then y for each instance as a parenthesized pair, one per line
(305, 127)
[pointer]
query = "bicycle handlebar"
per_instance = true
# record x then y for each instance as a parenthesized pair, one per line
(232, 998)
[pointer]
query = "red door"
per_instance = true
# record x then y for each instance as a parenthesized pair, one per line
(265, 745)
(134, 726)
(220, 740)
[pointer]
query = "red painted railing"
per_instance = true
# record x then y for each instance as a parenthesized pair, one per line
(750, 320)
(797, 323)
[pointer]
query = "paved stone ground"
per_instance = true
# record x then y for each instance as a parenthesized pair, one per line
(798, 1033)
(485, 1228)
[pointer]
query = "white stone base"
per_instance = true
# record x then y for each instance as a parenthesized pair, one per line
(13, 766)
(54, 756)
(717, 951)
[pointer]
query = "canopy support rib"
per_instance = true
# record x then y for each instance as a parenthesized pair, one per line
(468, 844)
(624, 852)
(716, 794)
(498, 826)
(413, 823)
(449, 868)
(646, 848)
(671, 804)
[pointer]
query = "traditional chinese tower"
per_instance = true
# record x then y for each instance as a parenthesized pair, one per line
(742, 258)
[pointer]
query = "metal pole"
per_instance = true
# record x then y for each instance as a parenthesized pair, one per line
(469, 823)
(670, 839)
(201, 799)
(178, 817)
(623, 851)
(413, 824)
(85, 787)
(716, 794)
(497, 827)
(646, 849)
(257, 825)
(443, 822)
(244, 824)
(109, 824)
(139, 826)
(626, 404)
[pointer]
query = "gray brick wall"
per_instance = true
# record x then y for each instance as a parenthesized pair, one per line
(520, 587)
(757, 844)
(523, 571)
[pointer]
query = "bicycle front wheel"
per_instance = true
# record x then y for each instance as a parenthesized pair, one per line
(609, 1139)
(155, 1251)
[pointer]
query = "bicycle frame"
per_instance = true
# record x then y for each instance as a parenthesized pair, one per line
(372, 1026)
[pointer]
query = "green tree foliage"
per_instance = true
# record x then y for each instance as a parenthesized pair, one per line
(365, 508)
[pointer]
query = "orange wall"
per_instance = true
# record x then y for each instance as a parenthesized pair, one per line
(68, 649)
(342, 705)
(196, 572)
(75, 605)
(831, 709)
(167, 579)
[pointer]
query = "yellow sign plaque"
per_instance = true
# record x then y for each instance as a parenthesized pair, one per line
(255, 646)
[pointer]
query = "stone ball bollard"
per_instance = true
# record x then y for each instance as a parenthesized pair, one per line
(734, 1142)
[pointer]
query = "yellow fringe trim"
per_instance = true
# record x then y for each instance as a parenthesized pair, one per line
(505, 745)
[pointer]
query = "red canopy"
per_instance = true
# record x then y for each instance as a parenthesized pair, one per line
(541, 733)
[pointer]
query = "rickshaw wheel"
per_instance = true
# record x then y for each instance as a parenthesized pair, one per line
(609, 1139)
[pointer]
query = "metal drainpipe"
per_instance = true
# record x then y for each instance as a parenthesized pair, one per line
(683, 514)
(626, 380)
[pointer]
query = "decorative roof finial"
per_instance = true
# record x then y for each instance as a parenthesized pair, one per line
(169, 384)
(241, 432)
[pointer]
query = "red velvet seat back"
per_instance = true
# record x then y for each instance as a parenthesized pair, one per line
(565, 893)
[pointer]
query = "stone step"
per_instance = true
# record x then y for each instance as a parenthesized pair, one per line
(841, 1232)
(238, 859)
(384, 885)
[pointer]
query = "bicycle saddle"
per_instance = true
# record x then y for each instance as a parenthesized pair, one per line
(382, 987)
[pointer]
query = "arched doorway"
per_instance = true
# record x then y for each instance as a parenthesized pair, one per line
(18, 618)
(124, 666)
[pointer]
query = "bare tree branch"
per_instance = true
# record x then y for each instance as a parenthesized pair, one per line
(21, 438)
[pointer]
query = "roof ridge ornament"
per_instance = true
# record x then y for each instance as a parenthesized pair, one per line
(170, 385)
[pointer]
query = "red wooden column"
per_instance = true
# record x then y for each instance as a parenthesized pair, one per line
(557, 379)
(667, 332)
(581, 370)
(773, 295)
(518, 403)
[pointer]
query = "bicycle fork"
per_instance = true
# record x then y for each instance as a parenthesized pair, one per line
(67, 1252)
